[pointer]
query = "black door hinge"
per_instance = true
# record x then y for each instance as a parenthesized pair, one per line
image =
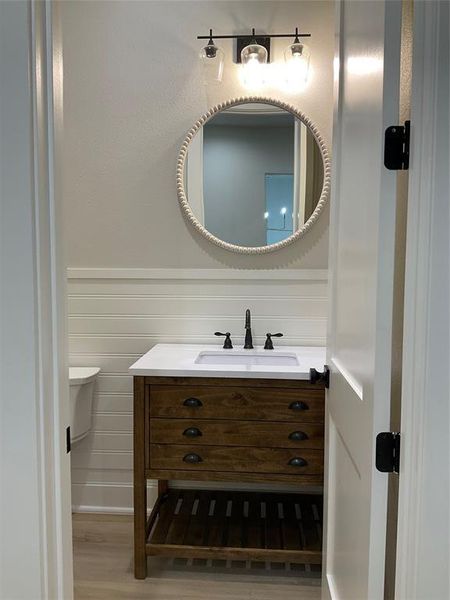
(396, 147)
(68, 443)
(387, 453)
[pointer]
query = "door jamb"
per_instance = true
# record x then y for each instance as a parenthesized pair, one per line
(35, 409)
(47, 97)
(422, 348)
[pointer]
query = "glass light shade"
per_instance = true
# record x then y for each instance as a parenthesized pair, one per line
(254, 60)
(296, 57)
(212, 58)
(254, 53)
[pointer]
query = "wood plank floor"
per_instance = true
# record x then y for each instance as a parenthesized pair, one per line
(103, 570)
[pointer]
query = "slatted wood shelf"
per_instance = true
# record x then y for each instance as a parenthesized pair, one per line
(237, 526)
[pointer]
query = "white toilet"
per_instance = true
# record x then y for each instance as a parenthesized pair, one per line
(81, 381)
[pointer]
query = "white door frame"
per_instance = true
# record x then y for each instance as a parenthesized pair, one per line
(35, 515)
(423, 513)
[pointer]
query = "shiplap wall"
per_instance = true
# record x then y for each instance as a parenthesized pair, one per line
(116, 315)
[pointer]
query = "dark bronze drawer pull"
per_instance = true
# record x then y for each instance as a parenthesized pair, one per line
(192, 402)
(297, 462)
(298, 405)
(192, 432)
(192, 458)
(298, 436)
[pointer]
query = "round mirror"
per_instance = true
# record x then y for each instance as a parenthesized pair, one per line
(253, 175)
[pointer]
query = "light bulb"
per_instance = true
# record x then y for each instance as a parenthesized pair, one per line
(212, 58)
(296, 58)
(253, 70)
(283, 211)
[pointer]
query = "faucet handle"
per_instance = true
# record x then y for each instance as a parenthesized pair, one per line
(269, 344)
(227, 342)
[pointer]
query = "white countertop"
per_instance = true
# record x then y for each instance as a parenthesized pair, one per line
(178, 360)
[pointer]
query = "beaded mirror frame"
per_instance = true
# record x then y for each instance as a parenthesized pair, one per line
(181, 164)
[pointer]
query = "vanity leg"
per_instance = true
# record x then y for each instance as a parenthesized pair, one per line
(140, 482)
(163, 486)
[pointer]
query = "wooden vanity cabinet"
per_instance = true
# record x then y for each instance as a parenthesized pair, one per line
(232, 430)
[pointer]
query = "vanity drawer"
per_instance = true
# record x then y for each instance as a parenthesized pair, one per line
(272, 404)
(262, 434)
(236, 459)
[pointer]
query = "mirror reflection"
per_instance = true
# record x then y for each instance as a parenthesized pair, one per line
(254, 174)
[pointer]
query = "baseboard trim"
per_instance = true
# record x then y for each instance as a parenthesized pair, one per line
(113, 510)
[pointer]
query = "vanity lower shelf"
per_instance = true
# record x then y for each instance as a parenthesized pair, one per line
(276, 527)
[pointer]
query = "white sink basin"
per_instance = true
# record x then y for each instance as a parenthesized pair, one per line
(247, 357)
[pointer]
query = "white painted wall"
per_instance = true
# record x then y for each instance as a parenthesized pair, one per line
(132, 88)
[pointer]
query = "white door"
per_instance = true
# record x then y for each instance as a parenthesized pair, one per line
(361, 288)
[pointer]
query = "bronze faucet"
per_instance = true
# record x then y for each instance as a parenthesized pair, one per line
(248, 345)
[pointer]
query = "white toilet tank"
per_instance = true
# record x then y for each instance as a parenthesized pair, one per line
(81, 380)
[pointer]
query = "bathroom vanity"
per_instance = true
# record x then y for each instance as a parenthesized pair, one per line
(204, 414)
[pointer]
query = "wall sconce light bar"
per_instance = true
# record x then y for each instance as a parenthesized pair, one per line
(243, 40)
